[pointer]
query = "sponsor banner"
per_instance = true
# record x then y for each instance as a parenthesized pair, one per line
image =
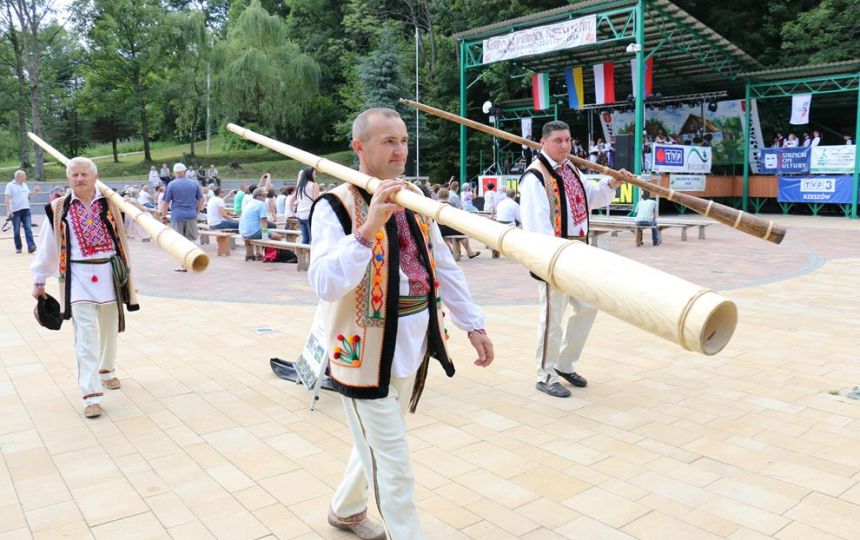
(502, 182)
(687, 182)
(623, 194)
(543, 39)
(684, 159)
(815, 189)
(832, 159)
(723, 128)
(784, 160)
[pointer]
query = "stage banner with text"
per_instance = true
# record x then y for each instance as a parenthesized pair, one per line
(784, 160)
(540, 40)
(673, 158)
(815, 189)
(832, 159)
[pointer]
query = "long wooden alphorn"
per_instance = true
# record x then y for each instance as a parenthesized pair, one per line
(179, 247)
(698, 319)
(736, 219)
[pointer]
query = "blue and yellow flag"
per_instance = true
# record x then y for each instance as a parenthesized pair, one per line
(575, 91)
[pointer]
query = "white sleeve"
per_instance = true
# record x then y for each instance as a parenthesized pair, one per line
(338, 261)
(599, 194)
(46, 262)
(534, 206)
(490, 202)
(452, 286)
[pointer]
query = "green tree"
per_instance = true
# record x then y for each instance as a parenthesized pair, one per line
(381, 74)
(126, 42)
(261, 77)
(828, 32)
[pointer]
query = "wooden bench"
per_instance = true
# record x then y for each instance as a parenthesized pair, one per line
(224, 238)
(615, 223)
(302, 251)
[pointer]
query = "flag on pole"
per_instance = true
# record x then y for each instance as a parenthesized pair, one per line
(575, 89)
(649, 76)
(540, 91)
(604, 83)
(800, 105)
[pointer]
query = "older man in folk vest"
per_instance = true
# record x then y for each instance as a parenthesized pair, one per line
(556, 202)
(83, 243)
(383, 274)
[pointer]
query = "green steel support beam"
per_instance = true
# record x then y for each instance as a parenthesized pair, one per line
(640, 94)
(812, 85)
(856, 158)
(463, 112)
(747, 113)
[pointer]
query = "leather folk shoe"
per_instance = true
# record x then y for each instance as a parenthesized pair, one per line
(92, 411)
(554, 389)
(358, 524)
(573, 378)
(112, 384)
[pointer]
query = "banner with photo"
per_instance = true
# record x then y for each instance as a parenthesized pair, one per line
(815, 189)
(501, 181)
(543, 39)
(832, 159)
(722, 130)
(785, 160)
(675, 158)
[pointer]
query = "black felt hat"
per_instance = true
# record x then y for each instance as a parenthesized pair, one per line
(47, 312)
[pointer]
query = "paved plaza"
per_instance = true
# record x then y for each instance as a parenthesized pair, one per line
(203, 441)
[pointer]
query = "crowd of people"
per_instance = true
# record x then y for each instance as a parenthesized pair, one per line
(807, 140)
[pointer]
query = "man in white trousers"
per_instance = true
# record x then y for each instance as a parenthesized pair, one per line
(382, 274)
(555, 201)
(83, 243)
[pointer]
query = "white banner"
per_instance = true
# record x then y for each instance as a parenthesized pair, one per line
(832, 159)
(553, 37)
(687, 182)
(526, 128)
(756, 139)
(684, 159)
(800, 105)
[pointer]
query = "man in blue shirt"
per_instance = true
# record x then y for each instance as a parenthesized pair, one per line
(646, 216)
(186, 201)
(254, 219)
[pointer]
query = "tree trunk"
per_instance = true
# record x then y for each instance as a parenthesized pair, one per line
(29, 19)
(24, 147)
(113, 147)
(144, 121)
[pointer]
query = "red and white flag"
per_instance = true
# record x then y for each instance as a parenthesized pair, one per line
(649, 76)
(604, 83)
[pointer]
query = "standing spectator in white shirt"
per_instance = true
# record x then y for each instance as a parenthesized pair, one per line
(154, 179)
(18, 210)
(816, 138)
(792, 141)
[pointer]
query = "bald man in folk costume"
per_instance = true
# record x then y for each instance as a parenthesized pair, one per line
(555, 201)
(83, 243)
(383, 273)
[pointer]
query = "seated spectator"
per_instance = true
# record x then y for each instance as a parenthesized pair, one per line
(646, 215)
(145, 197)
(291, 204)
(213, 175)
(201, 174)
(238, 200)
(816, 138)
(253, 220)
(217, 215)
(792, 141)
(448, 232)
(468, 199)
(508, 210)
(281, 202)
(164, 174)
(453, 196)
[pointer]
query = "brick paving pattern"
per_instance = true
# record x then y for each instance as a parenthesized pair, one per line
(203, 441)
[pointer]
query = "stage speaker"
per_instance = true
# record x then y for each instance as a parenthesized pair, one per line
(624, 156)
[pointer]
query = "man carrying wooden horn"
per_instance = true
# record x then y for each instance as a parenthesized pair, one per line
(382, 272)
(83, 242)
(555, 201)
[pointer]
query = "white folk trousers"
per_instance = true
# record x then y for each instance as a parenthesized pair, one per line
(95, 346)
(554, 350)
(380, 459)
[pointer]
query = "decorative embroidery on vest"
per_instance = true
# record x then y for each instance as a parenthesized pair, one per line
(348, 353)
(575, 197)
(370, 292)
(410, 262)
(90, 229)
(424, 227)
(555, 202)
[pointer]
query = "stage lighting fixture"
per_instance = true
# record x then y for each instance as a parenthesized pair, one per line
(712, 106)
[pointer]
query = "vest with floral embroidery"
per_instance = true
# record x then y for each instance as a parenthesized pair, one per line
(361, 327)
(560, 195)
